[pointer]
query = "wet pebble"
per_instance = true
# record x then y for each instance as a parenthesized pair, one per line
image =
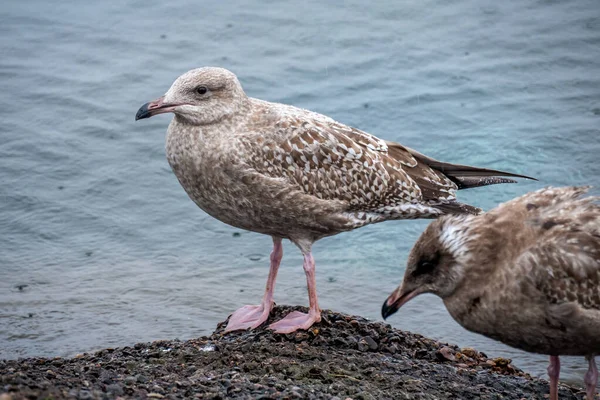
(115, 389)
(445, 354)
(371, 342)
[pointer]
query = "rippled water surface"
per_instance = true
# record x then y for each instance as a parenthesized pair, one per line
(100, 246)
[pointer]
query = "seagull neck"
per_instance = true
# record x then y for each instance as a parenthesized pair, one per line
(182, 124)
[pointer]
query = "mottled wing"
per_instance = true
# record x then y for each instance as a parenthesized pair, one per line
(435, 187)
(567, 269)
(546, 202)
(566, 260)
(332, 161)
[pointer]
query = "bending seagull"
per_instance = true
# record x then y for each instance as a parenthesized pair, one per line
(295, 174)
(526, 273)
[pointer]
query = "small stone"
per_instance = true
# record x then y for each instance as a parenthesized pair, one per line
(106, 377)
(115, 389)
(155, 395)
(319, 341)
(371, 342)
(301, 336)
(130, 380)
(84, 395)
(157, 389)
(445, 354)
(296, 392)
(341, 324)
(420, 353)
(363, 345)
(469, 352)
(502, 362)
(393, 349)
(141, 379)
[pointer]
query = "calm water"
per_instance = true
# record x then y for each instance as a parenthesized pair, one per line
(100, 246)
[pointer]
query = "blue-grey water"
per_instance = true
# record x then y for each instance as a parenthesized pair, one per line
(100, 246)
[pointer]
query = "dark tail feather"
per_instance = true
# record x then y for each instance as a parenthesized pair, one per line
(471, 181)
(466, 176)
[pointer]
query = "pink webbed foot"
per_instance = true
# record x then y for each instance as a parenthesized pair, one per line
(296, 320)
(253, 316)
(248, 317)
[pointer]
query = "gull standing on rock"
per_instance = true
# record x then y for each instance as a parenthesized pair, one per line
(526, 273)
(295, 174)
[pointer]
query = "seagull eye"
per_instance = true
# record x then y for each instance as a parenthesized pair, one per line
(427, 265)
(201, 89)
(424, 267)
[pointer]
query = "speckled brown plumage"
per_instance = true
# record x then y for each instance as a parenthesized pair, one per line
(526, 273)
(295, 174)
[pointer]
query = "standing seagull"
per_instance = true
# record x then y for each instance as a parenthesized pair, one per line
(526, 273)
(295, 174)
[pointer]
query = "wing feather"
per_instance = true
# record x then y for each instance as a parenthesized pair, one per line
(332, 161)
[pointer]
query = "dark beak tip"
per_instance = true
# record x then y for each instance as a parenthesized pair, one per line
(386, 310)
(143, 112)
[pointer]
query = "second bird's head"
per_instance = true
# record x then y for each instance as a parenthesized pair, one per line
(200, 96)
(437, 263)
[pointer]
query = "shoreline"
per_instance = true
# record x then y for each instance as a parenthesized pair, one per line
(341, 357)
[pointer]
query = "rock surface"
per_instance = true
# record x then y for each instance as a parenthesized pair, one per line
(342, 357)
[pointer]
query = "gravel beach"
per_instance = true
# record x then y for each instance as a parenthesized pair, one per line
(342, 357)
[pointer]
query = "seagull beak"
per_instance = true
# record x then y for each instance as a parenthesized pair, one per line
(157, 106)
(397, 300)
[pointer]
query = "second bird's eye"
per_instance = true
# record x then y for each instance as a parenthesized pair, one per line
(427, 265)
(424, 267)
(201, 89)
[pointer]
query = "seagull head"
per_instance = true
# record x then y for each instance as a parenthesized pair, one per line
(436, 263)
(199, 97)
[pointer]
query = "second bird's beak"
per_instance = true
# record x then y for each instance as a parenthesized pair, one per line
(157, 106)
(397, 300)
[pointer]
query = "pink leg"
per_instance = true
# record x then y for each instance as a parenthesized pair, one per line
(253, 316)
(298, 320)
(553, 372)
(591, 378)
